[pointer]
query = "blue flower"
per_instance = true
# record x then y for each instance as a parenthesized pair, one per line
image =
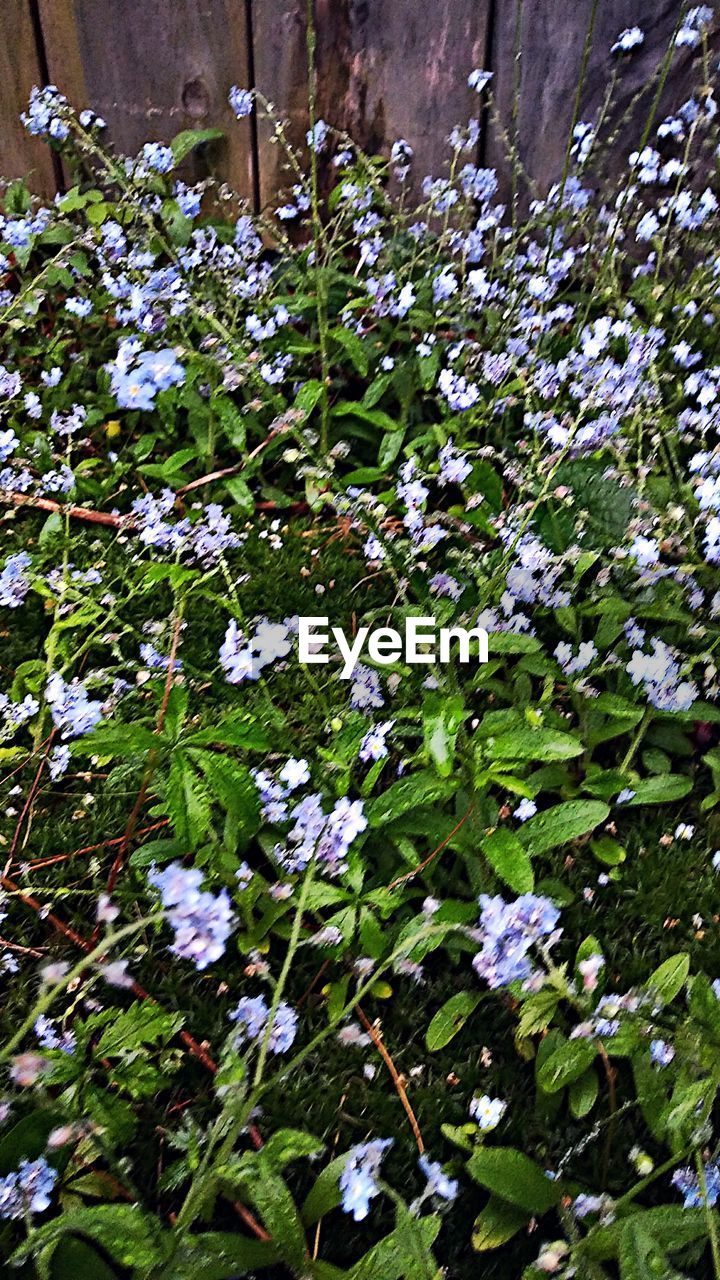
(45, 114)
(14, 585)
(509, 931)
(661, 1053)
(158, 157)
(241, 101)
(317, 136)
(78, 306)
(358, 1180)
(688, 1184)
(629, 39)
(72, 711)
(28, 1189)
(252, 1015)
(202, 921)
(438, 1183)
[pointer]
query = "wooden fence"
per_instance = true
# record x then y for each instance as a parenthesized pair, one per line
(386, 69)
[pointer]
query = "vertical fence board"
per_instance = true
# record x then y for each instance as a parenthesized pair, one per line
(405, 70)
(155, 68)
(19, 71)
(551, 57)
(385, 70)
(280, 67)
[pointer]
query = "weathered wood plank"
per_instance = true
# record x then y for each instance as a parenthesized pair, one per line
(406, 68)
(385, 70)
(154, 67)
(551, 57)
(280, 68)
(19, 71)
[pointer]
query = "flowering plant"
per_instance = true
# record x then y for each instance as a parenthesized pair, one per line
(447, 927)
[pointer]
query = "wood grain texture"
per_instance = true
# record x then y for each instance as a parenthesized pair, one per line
(154, 67)
(280, 69)
(386, 69)
(552, 41)
(19, 71)
(391, 70)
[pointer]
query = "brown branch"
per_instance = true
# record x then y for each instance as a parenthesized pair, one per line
(309, 989)
(426, 861)
(76, 513)
(376, 1037)
(38, 863)
(239, 466)
(610, 1076)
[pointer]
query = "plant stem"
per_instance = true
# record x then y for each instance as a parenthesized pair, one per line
(45, 1002)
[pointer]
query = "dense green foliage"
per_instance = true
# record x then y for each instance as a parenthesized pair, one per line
(260, 917)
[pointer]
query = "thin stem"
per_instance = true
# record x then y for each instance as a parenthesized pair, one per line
(45, 1002)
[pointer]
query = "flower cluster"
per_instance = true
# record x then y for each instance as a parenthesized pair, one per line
(358, 1180)
(509, 931)
(202, 921)
(256, 1022)
(27, 1190)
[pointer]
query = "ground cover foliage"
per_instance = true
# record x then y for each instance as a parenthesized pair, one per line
(413, 973)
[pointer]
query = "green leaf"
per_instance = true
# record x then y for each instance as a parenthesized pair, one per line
(442, 718)
(670, 977)
(185, 142)
(562, 823)
(235, 731)
(509, 860)
(537, 1011)
(396, 1257)
(390, 446)
(286, 1145)
(353, 347)
(639, 1256)
(671, 1226)
(269, 1194)
(583, 1093)
(566, 1064)
(514, 1177)
(450, 1019)
(705, 1007)
(140, 1025)
(233, 786)
(498, 1223)
(27, 1140)
(309, 395)
(216, 1255)
(241, 494)
(651, 1090)
(52, 528)
(417, 791)
(375, 417)
(159, 851)
(117, 740)
(534, 744)
(125, 1232)
(73, 1259)
(608, 851)
(324, 1195)
(187, 801)
(662, 789)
